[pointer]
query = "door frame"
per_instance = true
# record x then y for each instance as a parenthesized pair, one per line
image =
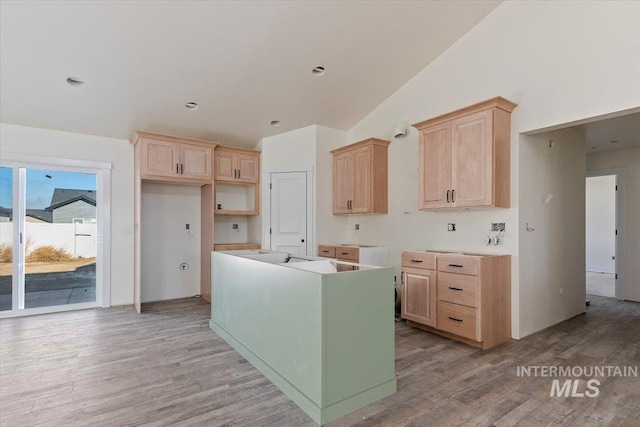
(266, 204)
(102, 171)
(619, 206)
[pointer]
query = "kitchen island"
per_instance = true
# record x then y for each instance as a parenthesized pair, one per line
(325, 338)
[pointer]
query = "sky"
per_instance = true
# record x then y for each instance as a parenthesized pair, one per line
(40, 185)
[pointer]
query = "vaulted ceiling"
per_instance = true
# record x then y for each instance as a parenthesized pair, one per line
(244, 63)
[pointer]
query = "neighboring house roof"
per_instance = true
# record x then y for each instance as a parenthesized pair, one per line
(41, 214)
(64, 196)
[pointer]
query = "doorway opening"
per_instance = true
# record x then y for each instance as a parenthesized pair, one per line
(601, 230)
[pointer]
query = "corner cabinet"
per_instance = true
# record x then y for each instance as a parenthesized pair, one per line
(360, 177)
(464, 157)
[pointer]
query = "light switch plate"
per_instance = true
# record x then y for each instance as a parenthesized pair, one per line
(451, 227)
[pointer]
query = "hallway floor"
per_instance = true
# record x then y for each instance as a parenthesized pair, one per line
(601, 284)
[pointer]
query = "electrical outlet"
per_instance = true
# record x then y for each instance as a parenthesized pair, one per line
(357, 226)
(187, 226)
(235, 226)
(451, 227)
(497, 226)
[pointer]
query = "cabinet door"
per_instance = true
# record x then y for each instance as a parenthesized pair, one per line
(472, 160)
(435, 167)
(419, 296)
(224, 166)
(160, 158)
(248, 166)
(342, 183)
(361, 194)
(196, 162)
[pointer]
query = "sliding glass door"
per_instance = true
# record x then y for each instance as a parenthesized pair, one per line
(6, 238)
(50, 238)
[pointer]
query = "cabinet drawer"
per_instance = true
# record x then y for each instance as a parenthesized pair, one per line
(327, 251)
(457, 319)
(458, 264)
(458, 289)
(419, 260)
(346, 253)
(345, 267)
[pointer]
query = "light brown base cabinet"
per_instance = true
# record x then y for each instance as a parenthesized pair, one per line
(356, 254)
(466, 297)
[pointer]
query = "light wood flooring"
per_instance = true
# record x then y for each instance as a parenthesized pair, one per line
(113, 367)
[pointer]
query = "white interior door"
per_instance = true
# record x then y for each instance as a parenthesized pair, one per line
(289, 212)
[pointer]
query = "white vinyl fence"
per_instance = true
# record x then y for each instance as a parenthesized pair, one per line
(77, 239)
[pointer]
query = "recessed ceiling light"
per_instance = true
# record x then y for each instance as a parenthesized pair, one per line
(275, 123)
(75, 82)
(613, 141)
(191, 106)
(594, 147)
(318, 71)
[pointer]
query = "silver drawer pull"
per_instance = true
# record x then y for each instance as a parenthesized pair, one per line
(326, 252)
(457, 320)
(455, 289)
(344, 253)
(456, 265)
(416, 260)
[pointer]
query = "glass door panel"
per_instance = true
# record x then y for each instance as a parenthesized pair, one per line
(6, 238)
(60, 243)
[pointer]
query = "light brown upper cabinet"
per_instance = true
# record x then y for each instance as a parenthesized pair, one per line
(464, 157)
(237, 165)
(360, 177)
(168, 158)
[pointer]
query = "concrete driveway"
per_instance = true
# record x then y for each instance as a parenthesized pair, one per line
(58, 288)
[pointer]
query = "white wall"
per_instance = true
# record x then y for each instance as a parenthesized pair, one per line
(554, 60)
(629, 160)
(330, 228)
(223, 231)
(601, 223)
(296, 148)
(165, 242)
(118, 152)
(552, 271)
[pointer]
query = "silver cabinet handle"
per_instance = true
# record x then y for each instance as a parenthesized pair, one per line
(455, 289)
(239, 174)
(453, 196)
(456, 320)
(177, 170)
(448, 195)
(181, 168)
